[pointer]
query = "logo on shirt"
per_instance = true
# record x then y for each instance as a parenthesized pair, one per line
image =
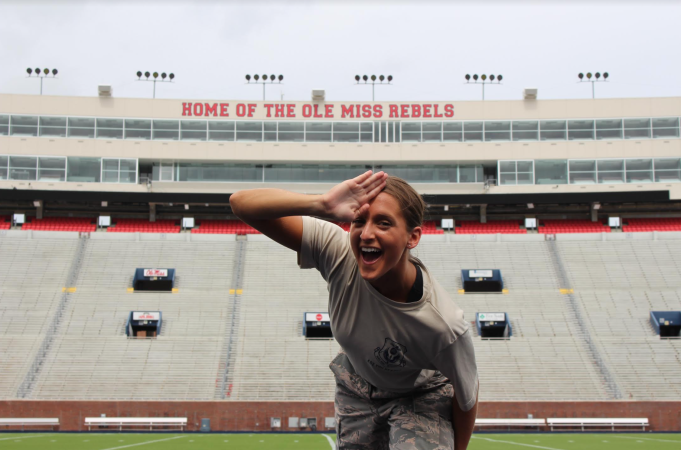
(391, 354)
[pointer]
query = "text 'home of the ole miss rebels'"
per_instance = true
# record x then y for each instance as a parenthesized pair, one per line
(320, 111)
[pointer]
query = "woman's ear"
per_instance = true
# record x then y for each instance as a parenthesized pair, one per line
(414, 238)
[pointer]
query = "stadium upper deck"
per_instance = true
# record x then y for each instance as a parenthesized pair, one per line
(92, 144)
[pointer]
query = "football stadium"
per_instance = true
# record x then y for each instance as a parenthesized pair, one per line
(137, 310)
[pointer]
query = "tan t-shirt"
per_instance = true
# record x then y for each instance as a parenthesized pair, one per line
(394, 346)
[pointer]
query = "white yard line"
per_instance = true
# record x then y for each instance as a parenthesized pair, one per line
(25, 437)
(145, 443)
(647, 439)
(331, 443)
(516, 443)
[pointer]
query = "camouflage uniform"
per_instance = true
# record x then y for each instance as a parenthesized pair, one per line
(368, 418)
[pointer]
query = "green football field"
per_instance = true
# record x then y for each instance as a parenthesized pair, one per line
(95, 441)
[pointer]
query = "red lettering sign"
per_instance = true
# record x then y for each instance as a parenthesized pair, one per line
(319, 317)
(404, 111)
(223, 110)
(212, 109)
(436, 114)
(347, 111)
(269, 109)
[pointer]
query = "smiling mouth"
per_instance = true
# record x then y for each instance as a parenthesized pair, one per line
(370, 255)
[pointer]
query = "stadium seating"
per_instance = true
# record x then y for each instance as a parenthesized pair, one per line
(545, 358)
(554, 354)
(32, 275)
(223, 227)
(493, 227)
(273, 361)
(668, 224)
(617, 284)
(61, 224)
(144, 226)
(430, 227)
(91, 358)
(571, 226)
(5, 222)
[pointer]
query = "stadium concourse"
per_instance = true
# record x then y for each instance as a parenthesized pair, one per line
(576, 202)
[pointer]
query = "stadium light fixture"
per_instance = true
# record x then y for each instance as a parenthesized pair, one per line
(593, 79)
(256, 80)
(491, 79)
(382, 81)
(41, 74)
(170, 77)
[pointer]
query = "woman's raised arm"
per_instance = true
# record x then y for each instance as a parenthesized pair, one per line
(276, 213)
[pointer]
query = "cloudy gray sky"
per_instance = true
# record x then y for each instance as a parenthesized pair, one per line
(427, 47)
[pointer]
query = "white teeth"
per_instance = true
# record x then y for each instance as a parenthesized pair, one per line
(370, 249)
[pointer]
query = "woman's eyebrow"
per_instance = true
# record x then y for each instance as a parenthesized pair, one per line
(383, 216)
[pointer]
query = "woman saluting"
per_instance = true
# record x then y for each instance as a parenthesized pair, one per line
(406, 377)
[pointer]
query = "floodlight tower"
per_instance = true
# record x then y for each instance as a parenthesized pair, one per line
(170, 77)
(256, 80)
(373, 78)
(42, 74)
(590, 78)
(483, 80)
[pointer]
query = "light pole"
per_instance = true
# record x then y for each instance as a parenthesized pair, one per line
(44, 74)
(155, 75)
(264, 78)
(373, 78)
(593, 81)
(483, 80)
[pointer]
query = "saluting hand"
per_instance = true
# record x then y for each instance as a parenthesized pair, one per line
(347, 200)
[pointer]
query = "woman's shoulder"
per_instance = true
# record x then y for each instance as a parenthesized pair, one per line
(444, 306)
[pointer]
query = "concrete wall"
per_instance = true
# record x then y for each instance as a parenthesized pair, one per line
(255, 416)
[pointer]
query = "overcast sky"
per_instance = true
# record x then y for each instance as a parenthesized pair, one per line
(427, 47)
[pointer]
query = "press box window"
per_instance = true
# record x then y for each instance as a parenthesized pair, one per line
(53, 126)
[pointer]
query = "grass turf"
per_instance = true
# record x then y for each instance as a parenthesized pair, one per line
(151, 441)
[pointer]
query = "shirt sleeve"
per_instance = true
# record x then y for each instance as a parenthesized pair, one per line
(324, 246)
(457, 362)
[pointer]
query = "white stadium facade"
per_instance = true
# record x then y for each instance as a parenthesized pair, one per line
(471, 153)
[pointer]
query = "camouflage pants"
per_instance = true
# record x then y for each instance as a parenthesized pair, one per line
(368, 418)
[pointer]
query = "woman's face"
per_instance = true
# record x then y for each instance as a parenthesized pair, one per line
(380, 238)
